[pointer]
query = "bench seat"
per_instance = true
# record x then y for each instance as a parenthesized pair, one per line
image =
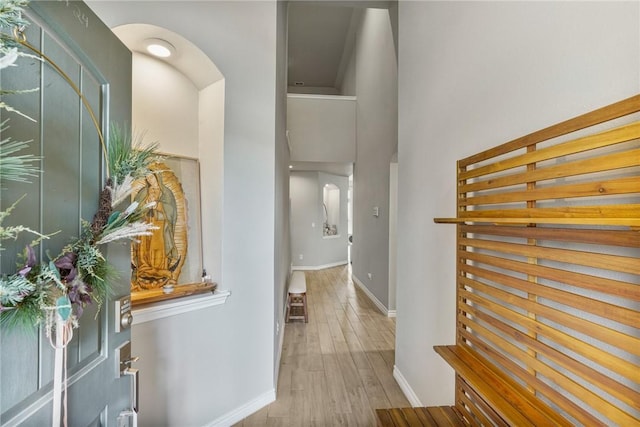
(297, 297)
(419, 417)
(298, 283)
(498, 396)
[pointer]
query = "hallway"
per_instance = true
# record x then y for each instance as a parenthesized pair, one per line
(336, 369)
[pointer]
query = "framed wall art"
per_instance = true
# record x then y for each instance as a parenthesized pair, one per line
(168, 263)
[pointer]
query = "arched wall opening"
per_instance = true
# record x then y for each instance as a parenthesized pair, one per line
(179, 102)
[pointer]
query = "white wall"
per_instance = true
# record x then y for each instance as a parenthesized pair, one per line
(393, 232)
(376, 89)
(219, 360)
(322, 129)
(282, 241)
(473, 75)
(169, 109)
(307, 216)
(348, 87)
(165, 106)
(211, 154)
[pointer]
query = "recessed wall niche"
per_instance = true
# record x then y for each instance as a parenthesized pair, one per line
(331, 209)
(178, 102)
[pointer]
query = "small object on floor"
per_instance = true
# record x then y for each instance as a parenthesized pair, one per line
(297, 297)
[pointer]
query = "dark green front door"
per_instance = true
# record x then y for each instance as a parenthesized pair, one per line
(67, 191)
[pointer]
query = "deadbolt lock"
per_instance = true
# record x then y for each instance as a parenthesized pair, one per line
(123, 315)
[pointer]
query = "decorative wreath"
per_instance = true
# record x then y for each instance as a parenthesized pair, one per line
(80, 274)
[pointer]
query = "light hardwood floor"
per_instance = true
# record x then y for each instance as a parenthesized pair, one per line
(336, 369)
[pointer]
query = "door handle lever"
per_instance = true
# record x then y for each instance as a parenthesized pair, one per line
(130, 360)
(135, 385)
(123, 364)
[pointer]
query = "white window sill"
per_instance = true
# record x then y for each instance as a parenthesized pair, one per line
(164, 309)
(333, 236)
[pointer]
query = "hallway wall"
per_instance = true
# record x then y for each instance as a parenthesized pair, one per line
(282, 241)
(377, 124)
(306, 209)
(321, 128)
(474, 75)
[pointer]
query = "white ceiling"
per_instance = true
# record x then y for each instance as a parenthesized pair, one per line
(317, 40)
(321, 37)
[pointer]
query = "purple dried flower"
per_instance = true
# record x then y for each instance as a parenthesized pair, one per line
(66, 266)
(79, 310)
(80, 295)
(30, 262)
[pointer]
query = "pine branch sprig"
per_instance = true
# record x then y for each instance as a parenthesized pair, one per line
(11, 13)
(129, 157)
(12, 232)
(13, 289)
(16, 167)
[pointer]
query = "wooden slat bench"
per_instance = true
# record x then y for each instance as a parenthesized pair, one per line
(419, 417)
(503, 398)
(548, 277)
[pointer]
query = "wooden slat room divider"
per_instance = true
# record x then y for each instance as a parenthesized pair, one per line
(548, 276)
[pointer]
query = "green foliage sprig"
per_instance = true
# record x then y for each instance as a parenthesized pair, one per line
(11, 19)
(129, 156)
(16, 167)
(80, 271)
(12, 232)
(11, 13)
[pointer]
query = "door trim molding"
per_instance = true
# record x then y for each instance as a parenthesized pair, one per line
(47, 397)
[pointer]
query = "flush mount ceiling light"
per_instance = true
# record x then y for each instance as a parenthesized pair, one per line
(160, 48)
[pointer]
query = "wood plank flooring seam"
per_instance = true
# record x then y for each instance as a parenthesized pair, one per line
(338, 368)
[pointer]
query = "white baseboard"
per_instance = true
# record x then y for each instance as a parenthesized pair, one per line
(406, 388)
(372, 297)
(318, 267)
(245, 410)
(391, 313)
(279, 351)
